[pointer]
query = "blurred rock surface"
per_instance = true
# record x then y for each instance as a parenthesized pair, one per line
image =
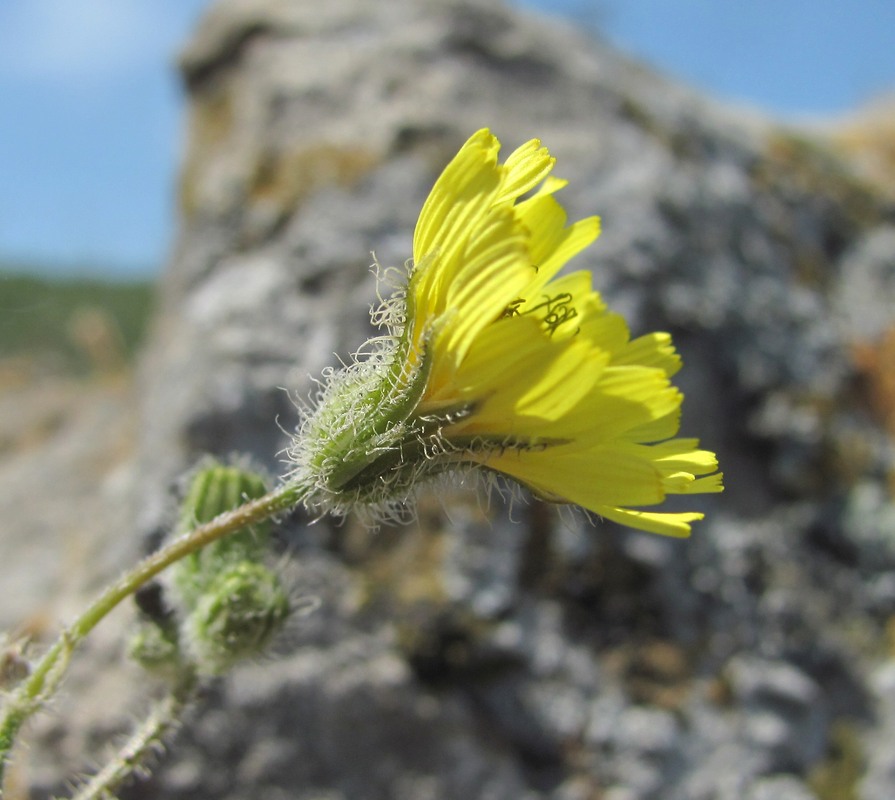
(519, 655)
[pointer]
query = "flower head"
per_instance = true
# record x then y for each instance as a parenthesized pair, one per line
(492, 359)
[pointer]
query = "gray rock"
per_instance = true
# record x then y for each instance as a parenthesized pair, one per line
(483, 651)
(866, 291)
(880, 775)
(641, 754)
(869, 522)
(784, 713)
(780, 788)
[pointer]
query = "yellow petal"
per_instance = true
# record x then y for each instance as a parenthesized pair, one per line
(587, 477)
(460, 197)
(524, 169)
(656, 430)
(520, 380)
(553, 244)
(577, 237)
(624, 399)
(551, 185)
(546, 219)
(651, 350)
(711, 484)
(664, 523)
(606, 331)
(495, 269)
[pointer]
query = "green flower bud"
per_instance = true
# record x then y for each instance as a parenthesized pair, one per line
(228, 605)
(215, 489)
(155, 648)
(155, 644)
(236, 617)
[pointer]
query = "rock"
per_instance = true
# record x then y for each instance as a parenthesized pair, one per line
(784, 712)
(866, 294)
(642, 755)
(496, 652)
(880, 775)
(781, 788)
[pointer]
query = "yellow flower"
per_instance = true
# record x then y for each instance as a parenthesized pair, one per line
(496, 361)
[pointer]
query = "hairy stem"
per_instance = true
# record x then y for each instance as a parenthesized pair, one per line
(32, 692)
(133, 756)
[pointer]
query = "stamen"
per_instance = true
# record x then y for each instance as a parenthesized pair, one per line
(513, 308)
(556, 310)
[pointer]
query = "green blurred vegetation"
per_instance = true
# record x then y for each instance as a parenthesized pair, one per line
(72, 326)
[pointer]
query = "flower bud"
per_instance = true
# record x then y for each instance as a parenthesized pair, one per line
(236, 617)
(228, 603)
(215, 489)
(155, 648)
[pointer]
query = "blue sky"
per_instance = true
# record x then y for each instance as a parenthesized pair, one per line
(91, 120)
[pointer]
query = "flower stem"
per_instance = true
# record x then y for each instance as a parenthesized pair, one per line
(133, 756)
(32, 692)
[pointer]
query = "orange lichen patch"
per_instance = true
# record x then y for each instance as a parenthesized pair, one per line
(811, 167)
(875, 361)
(838, 776)
(287, 178)
(410, 572)
(815, 165)
(211, 122)
(889, 637)
(809, 163)
(869, 143)
(654, 672)
(402, 565)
